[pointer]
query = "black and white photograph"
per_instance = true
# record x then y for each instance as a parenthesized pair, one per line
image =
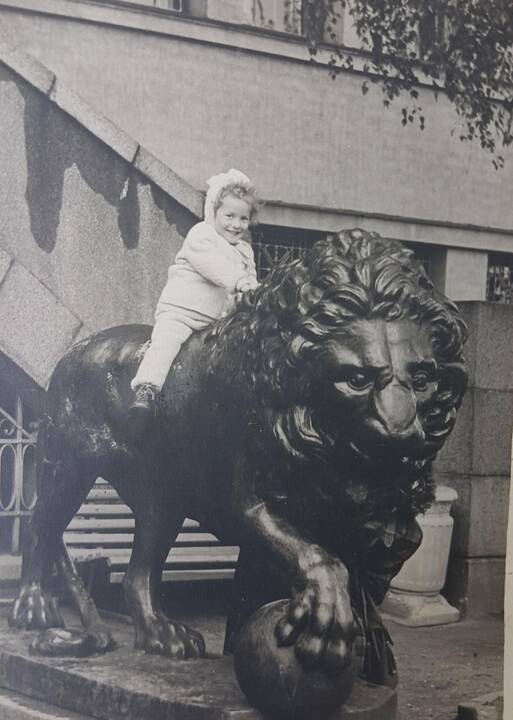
(256, 359)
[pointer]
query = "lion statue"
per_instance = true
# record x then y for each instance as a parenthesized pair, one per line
(302, 428)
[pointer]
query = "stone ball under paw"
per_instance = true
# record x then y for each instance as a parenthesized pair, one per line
(274, 680)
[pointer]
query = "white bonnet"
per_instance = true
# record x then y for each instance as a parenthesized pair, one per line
(217, 183)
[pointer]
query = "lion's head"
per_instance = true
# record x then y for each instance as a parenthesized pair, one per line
(355, 356)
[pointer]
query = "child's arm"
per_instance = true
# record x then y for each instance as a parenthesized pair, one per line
(249, 281)
(206, 259)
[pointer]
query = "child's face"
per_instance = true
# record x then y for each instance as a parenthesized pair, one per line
(231, 220)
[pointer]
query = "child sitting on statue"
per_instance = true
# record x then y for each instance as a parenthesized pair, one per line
(215, 262)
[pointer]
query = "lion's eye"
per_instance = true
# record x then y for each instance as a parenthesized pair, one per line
(421, 380)
(359, 381)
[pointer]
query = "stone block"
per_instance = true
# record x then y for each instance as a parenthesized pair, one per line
(159, 173)
(470, 314)
(35, 328)
(465, 274)
(480, 514)
(72, 104)
(26, 67)
(490, 344)
(456, 455)
(476, 586)
(491, 438)
(488, 520)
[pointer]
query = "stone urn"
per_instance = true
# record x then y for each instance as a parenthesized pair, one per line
(414, 597)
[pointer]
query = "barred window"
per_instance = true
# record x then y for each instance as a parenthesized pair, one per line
(275, 245)
(499, 286)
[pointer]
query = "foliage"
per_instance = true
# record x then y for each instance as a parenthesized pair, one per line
(461, 47)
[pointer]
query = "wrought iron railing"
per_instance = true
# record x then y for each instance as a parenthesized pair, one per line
(267, 255)
(17, 474)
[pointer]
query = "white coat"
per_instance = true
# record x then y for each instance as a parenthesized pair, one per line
(206, 271)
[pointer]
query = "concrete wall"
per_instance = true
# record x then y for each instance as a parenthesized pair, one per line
(202, 105)
(86, 236)
(476, 462)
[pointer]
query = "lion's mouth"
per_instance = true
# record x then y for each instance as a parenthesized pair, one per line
(380, 454)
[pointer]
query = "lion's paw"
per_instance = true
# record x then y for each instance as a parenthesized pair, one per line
(319, 621)
(162, 637)
(71, 643)
(35, 610)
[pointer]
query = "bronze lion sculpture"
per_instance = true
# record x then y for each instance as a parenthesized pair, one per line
(302, 427)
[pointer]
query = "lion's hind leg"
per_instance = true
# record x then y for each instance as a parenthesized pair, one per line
(155, 532)
(61, 490)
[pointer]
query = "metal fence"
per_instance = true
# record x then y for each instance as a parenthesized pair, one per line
(17, 469)
(268, 255)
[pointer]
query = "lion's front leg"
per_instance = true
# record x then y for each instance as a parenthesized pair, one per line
(320, 620)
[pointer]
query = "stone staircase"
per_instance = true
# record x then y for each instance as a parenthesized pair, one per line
(10, 573)
(104, 529)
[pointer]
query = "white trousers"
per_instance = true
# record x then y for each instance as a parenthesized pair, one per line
(173, 326)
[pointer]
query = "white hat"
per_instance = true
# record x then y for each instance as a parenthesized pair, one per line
(217, 183)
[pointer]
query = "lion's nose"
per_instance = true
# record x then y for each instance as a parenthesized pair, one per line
(395, 413)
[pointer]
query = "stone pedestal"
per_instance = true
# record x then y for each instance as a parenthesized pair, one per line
(129, 685)
(414, 598)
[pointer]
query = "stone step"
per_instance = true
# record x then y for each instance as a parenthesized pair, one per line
(10, 573)
(14, 706)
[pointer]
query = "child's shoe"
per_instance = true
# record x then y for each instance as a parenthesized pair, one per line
(145, 402)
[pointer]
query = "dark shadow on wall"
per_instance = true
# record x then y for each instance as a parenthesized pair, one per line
(55, 142)
(175, 215)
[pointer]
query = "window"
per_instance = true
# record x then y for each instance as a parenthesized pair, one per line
(273, 245)
(284, 15)
(431, 32)
(175, 5)
(499, 286)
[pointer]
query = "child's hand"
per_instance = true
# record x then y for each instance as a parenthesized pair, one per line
(247, 283)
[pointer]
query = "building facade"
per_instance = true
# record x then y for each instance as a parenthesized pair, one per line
(117, 112)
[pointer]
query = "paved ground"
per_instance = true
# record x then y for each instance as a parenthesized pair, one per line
(440, 667)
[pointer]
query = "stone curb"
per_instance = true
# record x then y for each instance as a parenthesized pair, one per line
(20, 707)
(485, 707)
(70, 102)
(26, 67)
(171, 183)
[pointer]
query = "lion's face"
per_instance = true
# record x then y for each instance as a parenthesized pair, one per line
(379, 384)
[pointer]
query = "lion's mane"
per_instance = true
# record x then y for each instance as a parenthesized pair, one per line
(276, 333)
